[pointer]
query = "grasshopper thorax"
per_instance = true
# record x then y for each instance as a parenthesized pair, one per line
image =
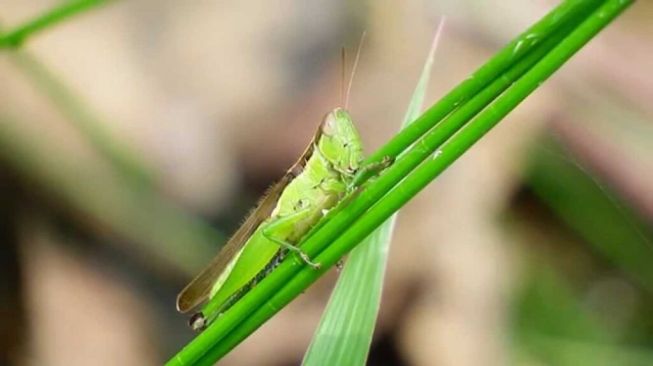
(340, 142)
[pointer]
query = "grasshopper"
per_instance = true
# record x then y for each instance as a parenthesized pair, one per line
(323, 175)
(329, 169)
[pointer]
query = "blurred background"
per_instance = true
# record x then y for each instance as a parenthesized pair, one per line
(135, 137)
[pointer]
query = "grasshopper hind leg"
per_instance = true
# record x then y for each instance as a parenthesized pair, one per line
(282, 223)
(292, 248)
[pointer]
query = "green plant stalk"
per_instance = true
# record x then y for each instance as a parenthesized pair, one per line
(445, 155)
(439, 134)
(83, 119)
(16, 37)
(466, 110)
(564, 14)
(266, 289)
(558, 21)
(205, 339)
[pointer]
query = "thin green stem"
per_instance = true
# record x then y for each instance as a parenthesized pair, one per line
(394, 188)
(122, 156)
(16, 37)
(423, 175)
(414, 157)
(561, 16)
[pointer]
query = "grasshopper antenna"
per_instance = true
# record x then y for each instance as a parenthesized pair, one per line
(343, 63)
(353, 70)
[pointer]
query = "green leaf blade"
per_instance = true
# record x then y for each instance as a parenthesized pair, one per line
(347, 326)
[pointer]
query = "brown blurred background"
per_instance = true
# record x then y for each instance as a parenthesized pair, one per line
(134, 137)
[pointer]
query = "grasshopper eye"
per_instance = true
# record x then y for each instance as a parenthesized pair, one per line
(345, 145)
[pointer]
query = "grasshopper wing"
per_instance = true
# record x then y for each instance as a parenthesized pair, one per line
(198, 289)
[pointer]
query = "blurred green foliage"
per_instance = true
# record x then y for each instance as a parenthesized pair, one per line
(553, 316)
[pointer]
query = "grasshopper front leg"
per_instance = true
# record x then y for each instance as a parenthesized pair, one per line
(367, 171)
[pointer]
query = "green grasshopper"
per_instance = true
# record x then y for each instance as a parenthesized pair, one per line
(323, 175)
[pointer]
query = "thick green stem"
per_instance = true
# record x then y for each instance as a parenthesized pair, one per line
(563, 15)
(395, 187)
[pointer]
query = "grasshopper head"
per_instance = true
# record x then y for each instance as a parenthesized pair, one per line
(340, 143)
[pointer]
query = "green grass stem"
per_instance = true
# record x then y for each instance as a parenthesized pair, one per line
(16, 37)
(81, 116)
(415, 169)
